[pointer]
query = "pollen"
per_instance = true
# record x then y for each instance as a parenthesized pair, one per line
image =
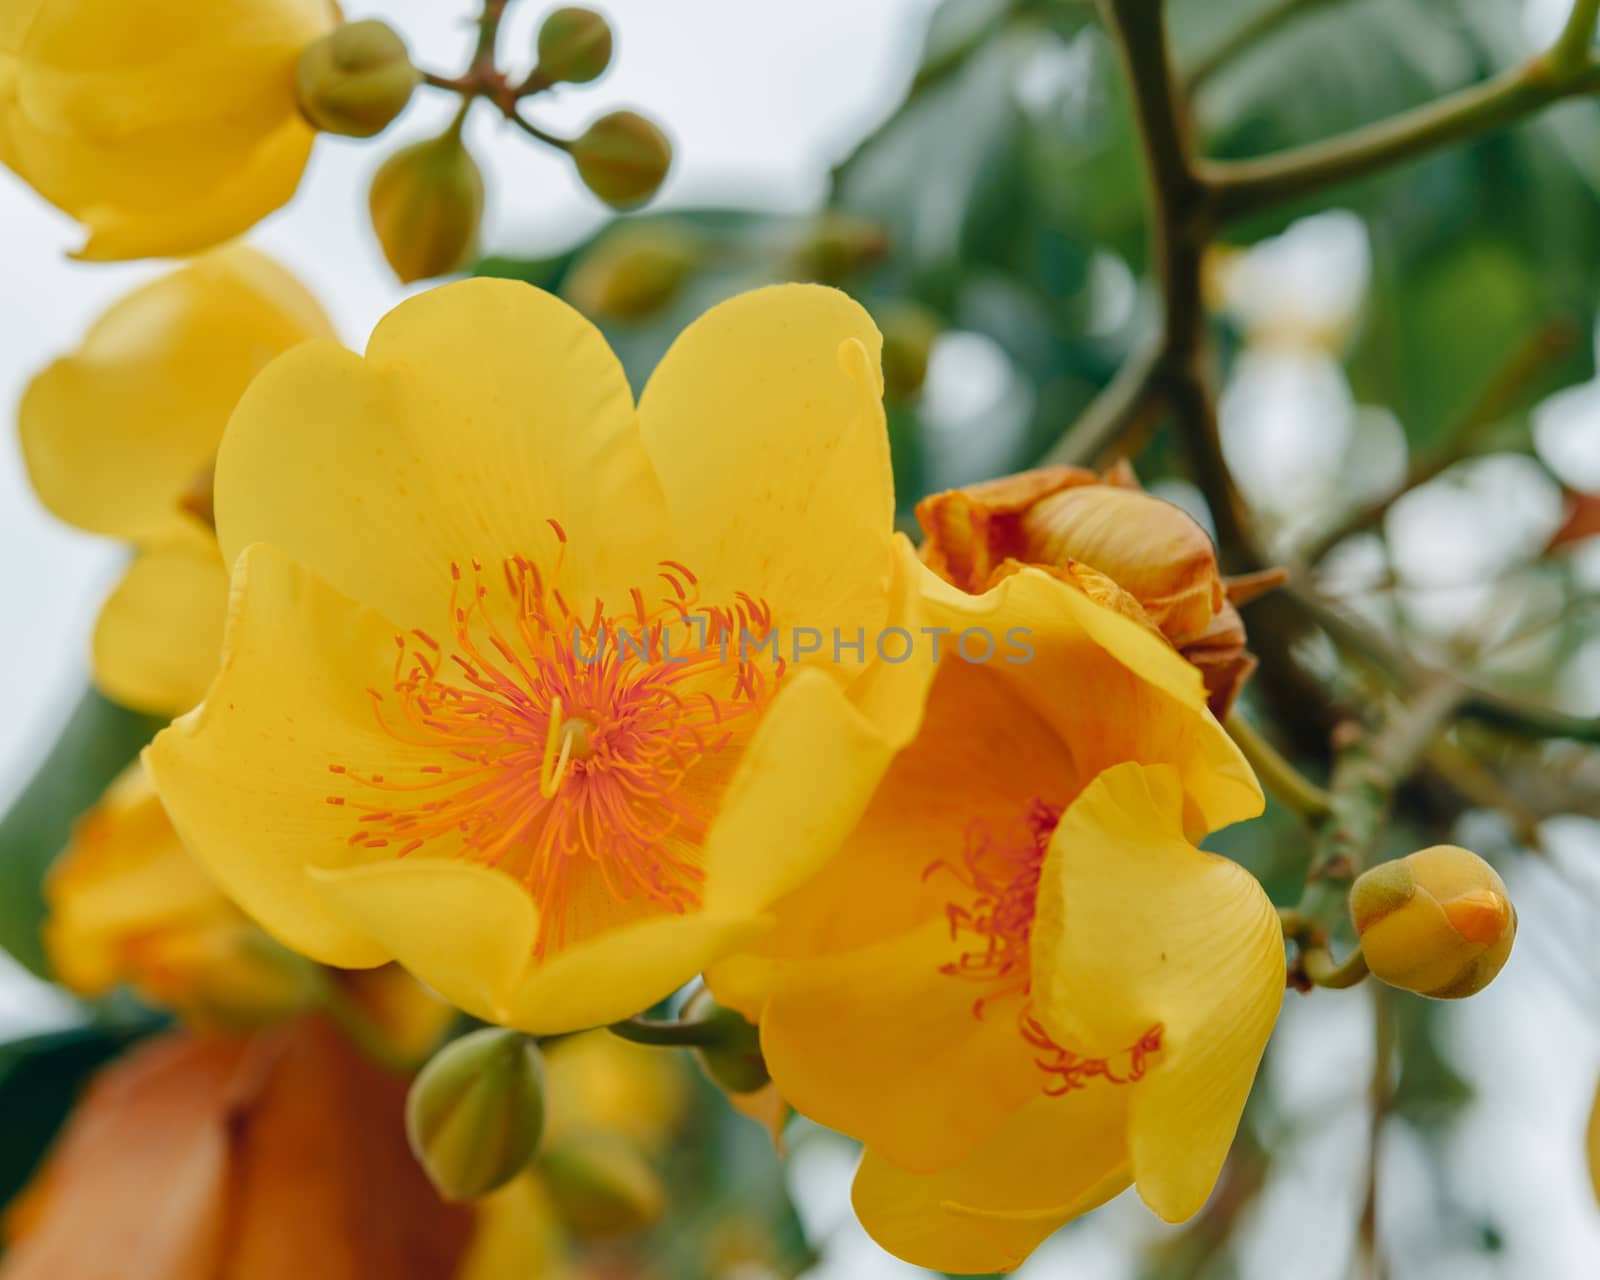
(565, 747)
(999, 873)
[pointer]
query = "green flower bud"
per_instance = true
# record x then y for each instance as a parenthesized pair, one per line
(733, 1060)
(838, 246)
(601, 1185)
(574, 47)
(427, 205)
(622, 158)
(633, 272)
(1438, 922)
(476, 1112)
(909, 330)
(356, 80)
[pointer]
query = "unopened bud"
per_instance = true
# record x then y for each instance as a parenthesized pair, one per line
(356, 80)
(476, 1112)
(838, 246)
(427, 205)
(623, 158)
(633, 273)
(601, 1185)
(731, 1055)
(574, 47)
(1438, 922)
(909, 330)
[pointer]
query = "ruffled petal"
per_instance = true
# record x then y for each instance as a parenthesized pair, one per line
(1055, 1159)
(159, 635)
(1136, 929)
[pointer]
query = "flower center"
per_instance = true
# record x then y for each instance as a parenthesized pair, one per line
(993, 924)
(570, 746)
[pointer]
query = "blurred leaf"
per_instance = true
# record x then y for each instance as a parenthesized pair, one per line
(98, 741)
(40, 1079)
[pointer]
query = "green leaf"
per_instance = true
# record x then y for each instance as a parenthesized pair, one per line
(99, 740)
(40, 1079)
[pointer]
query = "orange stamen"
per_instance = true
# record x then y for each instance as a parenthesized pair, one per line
(568, 737)
(1001, 875)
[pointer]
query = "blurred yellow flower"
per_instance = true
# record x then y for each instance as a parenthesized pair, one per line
(509, 690)
(162, 128)
(602, 1083)
(278, 1155)
(116, 435)
(1019, 983)
(125, 903)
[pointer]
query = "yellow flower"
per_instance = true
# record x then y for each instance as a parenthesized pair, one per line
(599, 1082)
(1066, 519)
(163, 128)
(116, 435)
(127, 904)
(508, 691)
(1019, 983)
(1438, 922)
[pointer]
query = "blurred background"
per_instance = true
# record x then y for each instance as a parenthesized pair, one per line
(968, 170)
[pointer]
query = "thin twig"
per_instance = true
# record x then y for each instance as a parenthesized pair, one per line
(1248, 34)
(1131, 397)
(1548, 343)
(1281, 778)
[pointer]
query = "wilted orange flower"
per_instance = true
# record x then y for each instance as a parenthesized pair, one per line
(257, 1159)
(1066, 519)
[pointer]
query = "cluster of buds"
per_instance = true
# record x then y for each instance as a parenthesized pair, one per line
(427, 199)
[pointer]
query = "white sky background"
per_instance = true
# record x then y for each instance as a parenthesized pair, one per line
(762, 98)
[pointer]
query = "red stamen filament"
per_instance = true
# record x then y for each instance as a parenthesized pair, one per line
(567, 738)
(1001, 877)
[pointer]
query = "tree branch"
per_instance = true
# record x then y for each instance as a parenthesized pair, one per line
(1240, 187)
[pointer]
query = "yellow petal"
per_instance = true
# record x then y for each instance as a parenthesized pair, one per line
(245, 775)
(881, 1045)
(1055, 1159)
(765, 423)
(466, 931)
(617, 974)
(1125, 695)
(800, 786)
(483, 410)
(159, 635)
(114, 434)
(1137, 928)
(165, 128)
(982, 756)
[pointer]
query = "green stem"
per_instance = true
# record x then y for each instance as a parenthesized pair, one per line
(1319, 966)
(1253, 30)
(1570, 53)
(1238, 188)
(1365, 777)
(1282, 779)
(695, 1034)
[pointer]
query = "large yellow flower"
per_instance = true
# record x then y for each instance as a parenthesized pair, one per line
(1019, 982)
(509, 689)
(118, 433)
(163, 127)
